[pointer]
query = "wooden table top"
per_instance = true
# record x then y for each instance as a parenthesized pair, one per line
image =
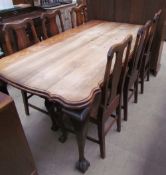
(67, 68)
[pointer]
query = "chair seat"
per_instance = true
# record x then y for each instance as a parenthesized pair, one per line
(80, 114)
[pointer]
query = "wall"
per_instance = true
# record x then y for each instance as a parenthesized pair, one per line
(6, 4)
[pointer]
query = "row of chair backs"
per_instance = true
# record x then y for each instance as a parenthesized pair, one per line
(19, 35)
(139, 65)
(143, 45)
(22, 34)
(113, 86)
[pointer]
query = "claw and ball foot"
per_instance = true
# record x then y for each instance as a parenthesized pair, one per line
(82, 165)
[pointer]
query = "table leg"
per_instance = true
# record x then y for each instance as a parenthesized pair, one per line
(50, 108)
(3, 87)
(59, 119)
(81, 129)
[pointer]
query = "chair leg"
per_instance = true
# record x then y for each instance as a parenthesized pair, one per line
(25, 101)
(136, 91)
(118, 113)
(125, 104)
(101, 137)
(148, 72)
(142, 84)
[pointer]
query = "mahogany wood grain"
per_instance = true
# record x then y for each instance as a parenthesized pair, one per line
(69, 67)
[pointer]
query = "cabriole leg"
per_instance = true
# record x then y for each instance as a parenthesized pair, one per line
(50, 108)
(81, 134)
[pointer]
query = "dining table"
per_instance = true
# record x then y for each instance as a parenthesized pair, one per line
(67, 69)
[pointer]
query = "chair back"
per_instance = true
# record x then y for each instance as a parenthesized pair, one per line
(112, 86)
(152, 27)
(152, 30)
(19, 35)
(49, 23)
(80, 13)
(138, 52)
(156, 19)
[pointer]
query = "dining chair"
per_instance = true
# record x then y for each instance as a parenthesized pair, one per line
(78, 15)
(132, 78)
(108, 100)
(50, 23)
(17, 36)
(145, 67)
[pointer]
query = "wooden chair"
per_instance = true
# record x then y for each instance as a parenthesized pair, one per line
(132, 78)
(145, 67)
(109, 99)
(17, 36)
(49, 23)
(78, 15)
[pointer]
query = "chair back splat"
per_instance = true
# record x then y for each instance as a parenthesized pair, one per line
(19, 35)
(139, 49)
(80, 14)
(49, 23)
(155, 21)
(113, 85)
